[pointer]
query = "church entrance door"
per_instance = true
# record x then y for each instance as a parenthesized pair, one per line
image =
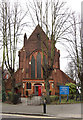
(38, 90)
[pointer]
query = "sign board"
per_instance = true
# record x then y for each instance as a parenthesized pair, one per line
(64, 90)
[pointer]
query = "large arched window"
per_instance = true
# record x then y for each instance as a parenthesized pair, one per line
(38, 65)
(33, 67)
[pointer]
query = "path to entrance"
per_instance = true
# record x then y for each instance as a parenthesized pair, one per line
(35, 100)
(67, 110)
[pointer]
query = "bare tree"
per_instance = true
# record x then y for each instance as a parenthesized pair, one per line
(75, 49)
(11, 28)
(53, 17)
(70, 70)
(81, 35)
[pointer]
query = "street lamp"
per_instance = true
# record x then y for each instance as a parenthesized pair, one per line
(29, 62)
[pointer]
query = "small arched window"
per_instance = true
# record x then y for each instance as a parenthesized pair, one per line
(33, 67)
(28, 85)
(38, 65)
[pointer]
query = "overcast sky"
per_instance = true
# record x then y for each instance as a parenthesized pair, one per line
(75, 5)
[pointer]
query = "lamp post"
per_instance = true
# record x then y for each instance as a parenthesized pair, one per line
(23, 88)
(44, 106)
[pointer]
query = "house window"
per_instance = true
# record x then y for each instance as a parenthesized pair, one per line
(52, 85)
(28, 85)
(38, 65)
(33, 67)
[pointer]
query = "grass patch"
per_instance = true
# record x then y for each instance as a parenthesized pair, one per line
(55, 100)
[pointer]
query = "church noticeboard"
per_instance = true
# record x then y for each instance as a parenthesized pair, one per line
(64, 90)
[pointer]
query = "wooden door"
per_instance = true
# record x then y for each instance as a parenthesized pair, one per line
(39, 90)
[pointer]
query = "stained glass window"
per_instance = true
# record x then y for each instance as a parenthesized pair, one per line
(38, 65)
(33, 67)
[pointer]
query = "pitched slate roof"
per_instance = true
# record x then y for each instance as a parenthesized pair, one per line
(34, 41)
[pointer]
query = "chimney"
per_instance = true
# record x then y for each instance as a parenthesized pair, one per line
(25, 39)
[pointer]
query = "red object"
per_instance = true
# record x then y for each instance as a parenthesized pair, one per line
(39, 90)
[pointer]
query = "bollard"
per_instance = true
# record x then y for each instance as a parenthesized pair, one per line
(44, 106)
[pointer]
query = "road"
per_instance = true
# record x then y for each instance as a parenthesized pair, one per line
(67, 110)
(31, 117)
(59, 111)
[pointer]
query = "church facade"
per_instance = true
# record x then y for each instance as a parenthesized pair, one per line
(29, 76)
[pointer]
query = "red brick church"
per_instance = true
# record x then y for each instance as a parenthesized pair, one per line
(29, 76)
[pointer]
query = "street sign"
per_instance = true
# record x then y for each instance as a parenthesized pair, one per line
(64, 90)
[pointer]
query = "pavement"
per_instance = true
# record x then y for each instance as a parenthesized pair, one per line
(28, 108)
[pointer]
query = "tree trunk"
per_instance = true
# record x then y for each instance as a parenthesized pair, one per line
(13, 87)
(47, 91)
(3, 82)
(3, 90)
(81, 79)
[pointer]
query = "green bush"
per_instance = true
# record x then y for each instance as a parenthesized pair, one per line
(10, 96)
(3, 96)
(63, 96)
(54, 98)
(72, 88)
(14, 99)
(71, 96)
